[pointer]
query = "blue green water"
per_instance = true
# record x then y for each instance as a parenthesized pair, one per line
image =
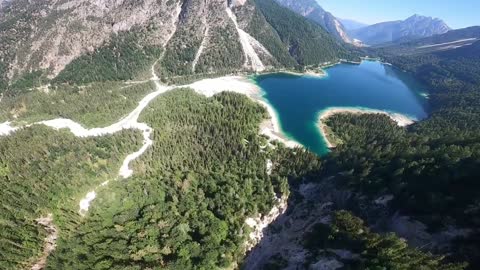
(299, 99)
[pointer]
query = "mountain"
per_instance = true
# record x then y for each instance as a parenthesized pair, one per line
(472, 32)
(415, 26)
(453, 39)
(352, 24)
(313, 11)
(58, 40)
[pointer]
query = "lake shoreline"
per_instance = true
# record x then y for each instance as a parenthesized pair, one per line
(247, 86)
(271, 127)
(328, 135)
(309, 73)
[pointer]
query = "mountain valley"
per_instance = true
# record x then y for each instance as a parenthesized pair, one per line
(157, 134)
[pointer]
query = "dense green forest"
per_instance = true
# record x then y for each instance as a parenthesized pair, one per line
(431, 168)
(223, 53)
(123, 58)
(371, 250)
(45, 171)
(431, 173)
(186, 205)
(92, 105)
(308, 43)
(180, 53)
(261, 30)
(445, 71)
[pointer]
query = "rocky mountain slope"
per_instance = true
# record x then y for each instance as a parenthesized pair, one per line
(312, 10)
(48, 35)
(43, 40)
(415, 26)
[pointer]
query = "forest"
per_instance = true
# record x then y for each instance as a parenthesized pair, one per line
(186, 204)
(431, 168)
(308, 43)
(50, 174)
(123, 58)
(377, 251)
(92, 105)
(222, 55)
(445, 71)
(258, 27)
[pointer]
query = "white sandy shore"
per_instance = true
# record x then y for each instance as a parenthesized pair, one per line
(401, 119)
(238, 84)
(308, 73)
(271, 128)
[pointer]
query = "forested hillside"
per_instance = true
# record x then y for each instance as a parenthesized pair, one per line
(432, 168)
(420, 182)
(46, 36)
(206, 169)
(445, 71)
(93, 105)
(45, 171)
(186, 206)
(122, 59)
(308, 43)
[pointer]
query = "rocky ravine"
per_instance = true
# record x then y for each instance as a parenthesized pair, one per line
(312, 203)
(49, 242)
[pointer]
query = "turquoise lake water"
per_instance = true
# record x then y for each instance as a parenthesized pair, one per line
(373, 85)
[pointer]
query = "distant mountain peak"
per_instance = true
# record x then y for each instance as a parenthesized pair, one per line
(415, 26)
(418, 17)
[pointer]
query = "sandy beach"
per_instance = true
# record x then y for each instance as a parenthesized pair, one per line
(400, 119)
(238, 84)
(309, 73)
(271, 127)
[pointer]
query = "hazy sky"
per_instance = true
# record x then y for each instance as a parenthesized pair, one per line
(456, 13)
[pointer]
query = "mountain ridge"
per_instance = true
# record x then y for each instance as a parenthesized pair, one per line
(313, 11)
(450, 40)
(41, 40)
(415, 26)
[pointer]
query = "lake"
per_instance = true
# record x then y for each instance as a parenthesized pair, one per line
(370, 85)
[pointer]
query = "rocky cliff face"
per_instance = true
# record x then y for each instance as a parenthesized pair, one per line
(42, 38)
(312, 10)
(414, 27)
(47, 35)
